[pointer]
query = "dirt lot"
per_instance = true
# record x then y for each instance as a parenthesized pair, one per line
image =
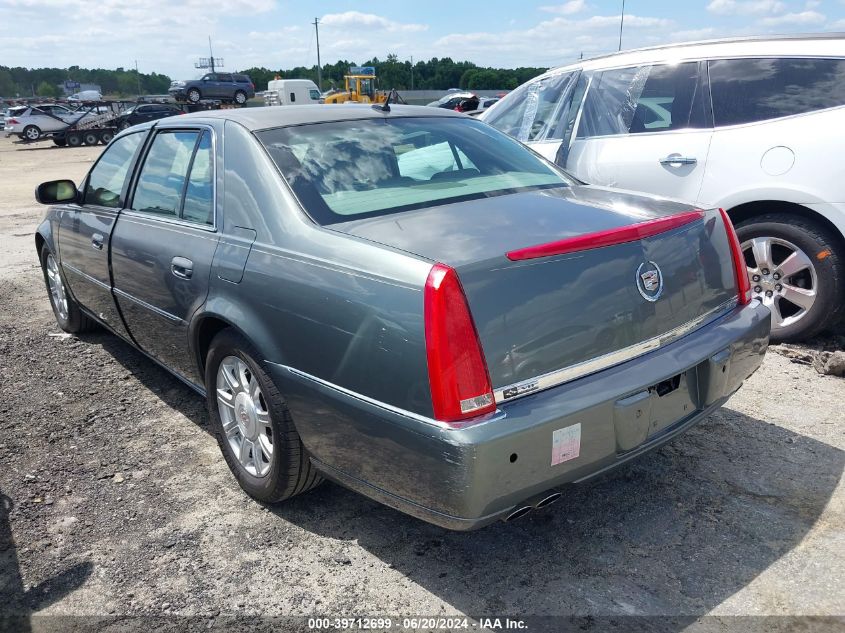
(115, 500)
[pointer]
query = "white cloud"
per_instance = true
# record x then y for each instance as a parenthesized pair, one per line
(551, 42)
(567, 8)
(369, 21)
(745, 7)
(805, 18)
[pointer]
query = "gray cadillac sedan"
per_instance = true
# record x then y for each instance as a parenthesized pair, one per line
(403, 300)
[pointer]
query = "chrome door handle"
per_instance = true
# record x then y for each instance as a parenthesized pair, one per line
(97, 241)
(182, 267)
(677, 159)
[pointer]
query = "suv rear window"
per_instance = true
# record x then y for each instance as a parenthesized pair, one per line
(749, 90)
(347, 170)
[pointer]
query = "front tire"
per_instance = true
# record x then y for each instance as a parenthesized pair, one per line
(68, 315)
(194, 95)
(797, 270)
(252, 423)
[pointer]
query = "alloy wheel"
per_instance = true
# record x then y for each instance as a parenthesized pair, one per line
(245, 416)
(782, 277)
(57, 289)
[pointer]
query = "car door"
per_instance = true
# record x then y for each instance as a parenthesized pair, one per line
(646, 128)
(163, 244)
(85, 229)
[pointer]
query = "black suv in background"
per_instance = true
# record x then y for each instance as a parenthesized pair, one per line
(223, 86)
(145, 112)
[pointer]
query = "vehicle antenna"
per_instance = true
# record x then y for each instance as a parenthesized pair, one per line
(386, 106)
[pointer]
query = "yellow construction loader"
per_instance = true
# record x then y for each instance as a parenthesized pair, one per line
(361, 87)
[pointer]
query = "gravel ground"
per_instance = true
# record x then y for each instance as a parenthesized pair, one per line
(114, 498)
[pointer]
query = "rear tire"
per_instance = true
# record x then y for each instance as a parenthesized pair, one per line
(240, 97)
(31, 133)
(822, 271)
(61, 142)
(257, 419)
(90, 138)
(68, 315)
(73, 139)
(106, 136)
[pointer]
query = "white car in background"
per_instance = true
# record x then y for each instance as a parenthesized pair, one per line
(755, 126)
(31, 122)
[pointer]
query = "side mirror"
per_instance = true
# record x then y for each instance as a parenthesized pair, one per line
(56, 192)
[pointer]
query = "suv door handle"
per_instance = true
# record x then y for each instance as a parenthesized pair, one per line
(677, 159)
(97, 241)
(182, 267)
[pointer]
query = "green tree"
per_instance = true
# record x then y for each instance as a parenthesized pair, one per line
(47, 90)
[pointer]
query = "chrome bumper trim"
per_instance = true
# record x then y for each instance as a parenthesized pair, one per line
(579, 370)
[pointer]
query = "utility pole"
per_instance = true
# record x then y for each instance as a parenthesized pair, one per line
(211, 52)
(319, 65)
(138, 77)
(621, 24)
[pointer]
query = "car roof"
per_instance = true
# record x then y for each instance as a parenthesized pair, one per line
(266, 117)
(801, 45)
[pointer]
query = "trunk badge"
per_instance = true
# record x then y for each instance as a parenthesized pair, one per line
(650, 281)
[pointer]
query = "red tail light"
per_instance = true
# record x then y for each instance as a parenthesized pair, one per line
(12, 121)
(457, 372)
(610, 237)
(743, 284)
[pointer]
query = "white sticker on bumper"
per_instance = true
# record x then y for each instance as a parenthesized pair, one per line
(566, 444)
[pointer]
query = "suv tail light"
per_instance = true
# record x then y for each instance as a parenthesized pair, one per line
(457, 372)
(743, 285)
(12, 121)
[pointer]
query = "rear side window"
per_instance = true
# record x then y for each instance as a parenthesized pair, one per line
(109, 174)
(162, 180)
(199, 204)
(749, 90)
(643, 99)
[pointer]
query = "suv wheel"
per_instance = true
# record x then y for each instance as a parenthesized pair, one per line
(796, 270)
(194, 95)
(240, 97)
(31, 133)
(253, 425)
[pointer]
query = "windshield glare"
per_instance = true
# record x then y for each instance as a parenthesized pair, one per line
(347, 170)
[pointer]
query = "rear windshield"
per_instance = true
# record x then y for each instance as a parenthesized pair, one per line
(348, 170)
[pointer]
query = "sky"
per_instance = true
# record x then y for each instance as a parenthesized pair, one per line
(168, 36)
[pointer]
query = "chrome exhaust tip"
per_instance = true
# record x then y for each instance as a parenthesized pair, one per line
(519, 512)
(548, 500)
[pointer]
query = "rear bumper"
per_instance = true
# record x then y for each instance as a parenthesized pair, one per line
(464, 479)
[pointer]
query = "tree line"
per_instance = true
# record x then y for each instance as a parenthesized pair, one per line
(434, 74)
(44, 82)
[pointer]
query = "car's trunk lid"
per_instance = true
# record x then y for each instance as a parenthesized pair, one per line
(540, 315)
